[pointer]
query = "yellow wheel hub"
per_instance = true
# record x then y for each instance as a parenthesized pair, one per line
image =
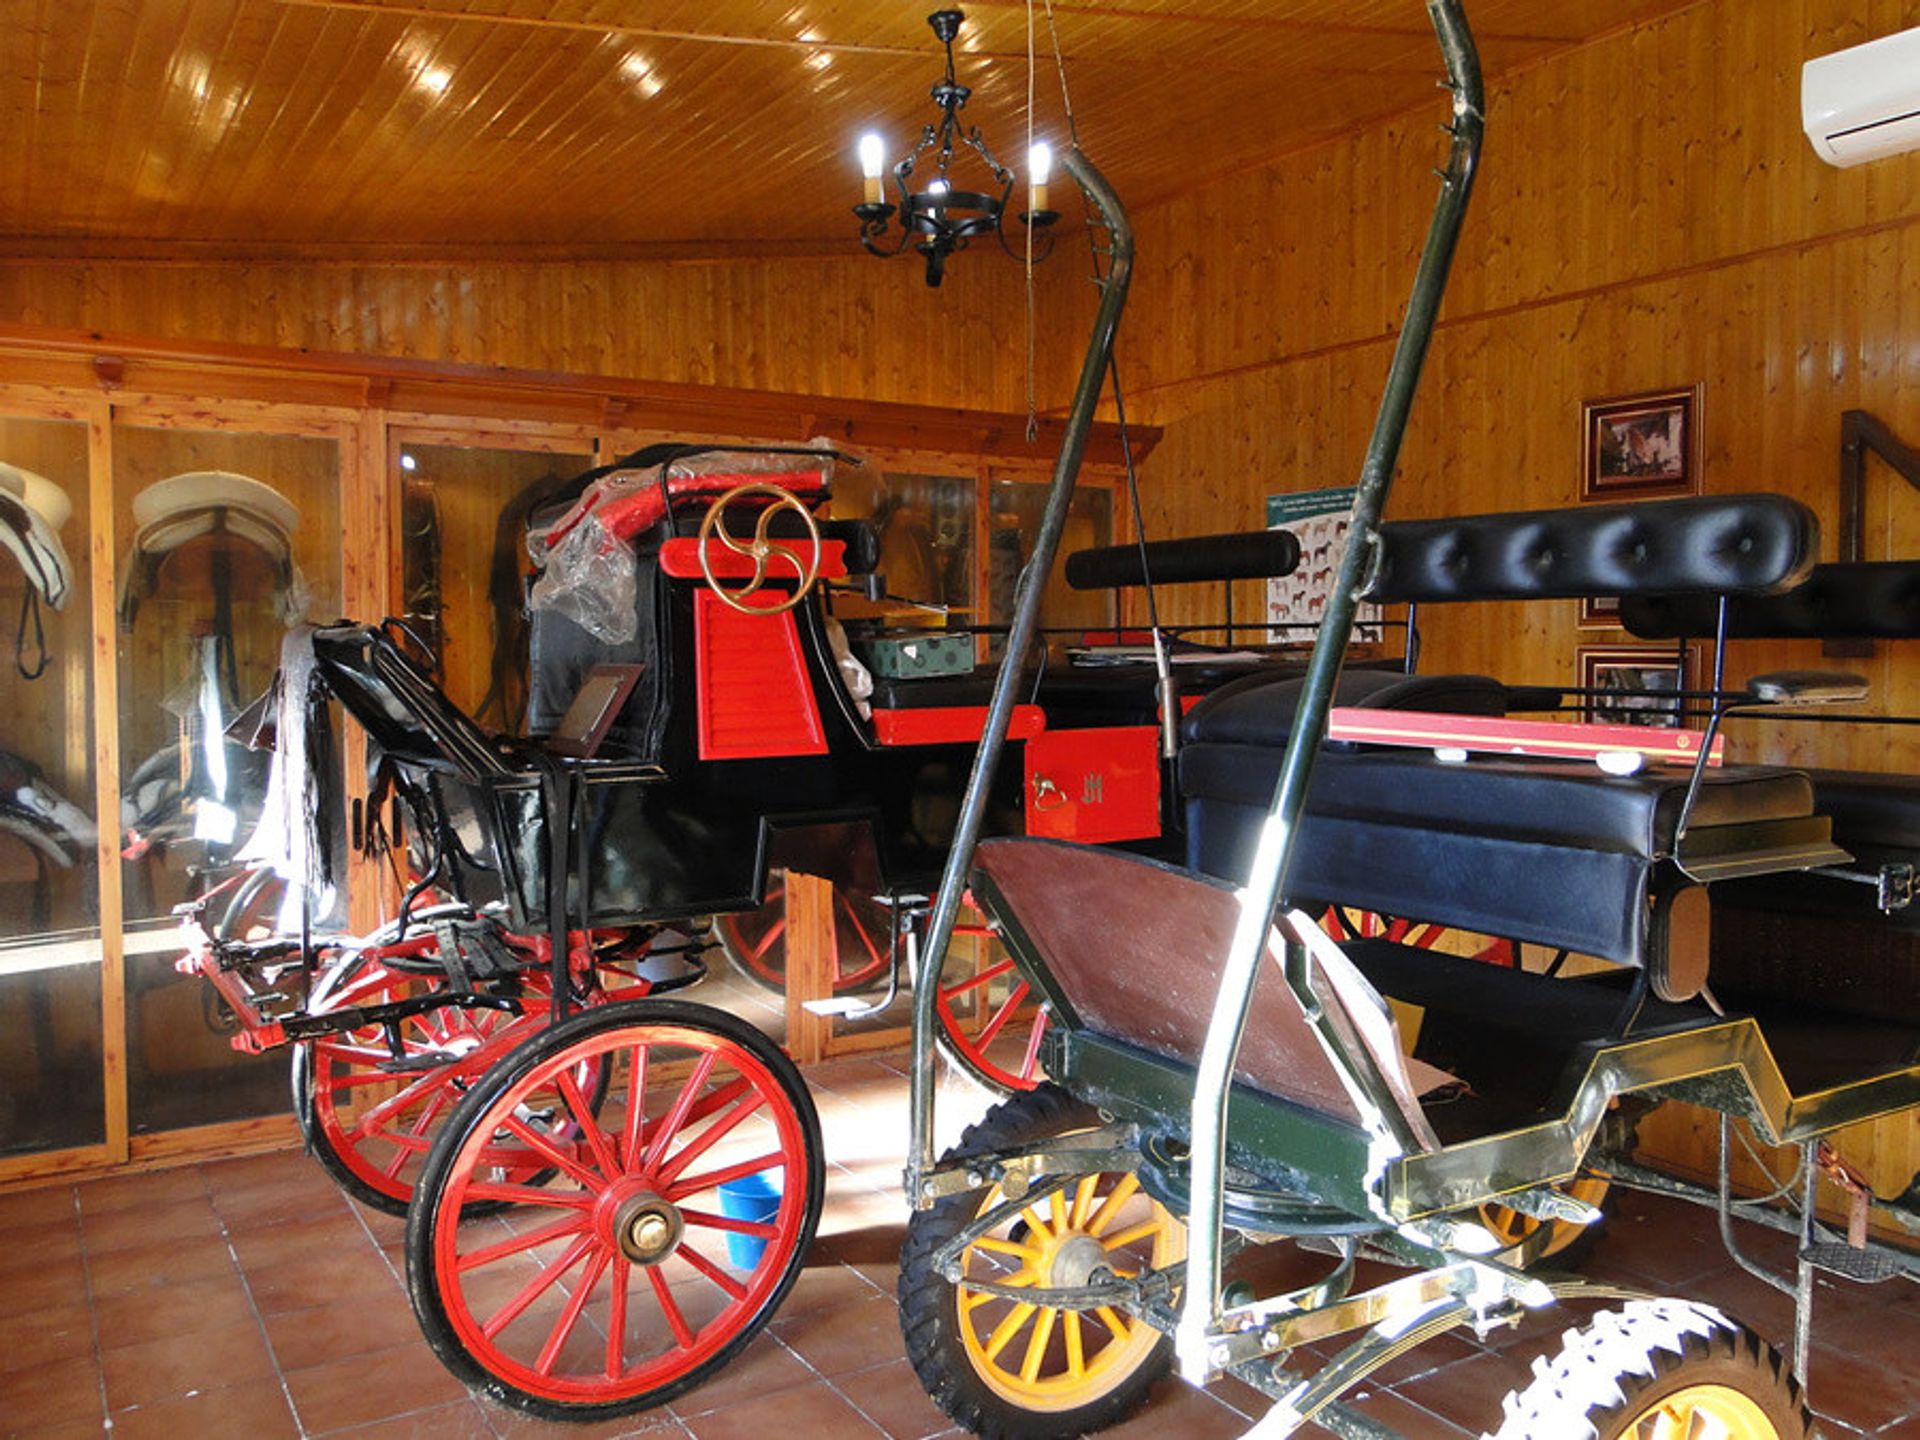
(1044, 1358)
(1703, 1412)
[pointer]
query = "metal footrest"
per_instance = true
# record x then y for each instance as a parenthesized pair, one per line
(1869, 1266)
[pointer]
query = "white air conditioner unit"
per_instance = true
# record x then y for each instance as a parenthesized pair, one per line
(1861, 104)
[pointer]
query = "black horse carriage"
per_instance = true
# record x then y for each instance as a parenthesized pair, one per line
(501, 1047)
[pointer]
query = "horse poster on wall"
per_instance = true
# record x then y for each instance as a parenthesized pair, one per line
(1320, 520)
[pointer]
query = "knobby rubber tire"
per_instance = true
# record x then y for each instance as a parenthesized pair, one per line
(930, 1319)
(1620, 1368)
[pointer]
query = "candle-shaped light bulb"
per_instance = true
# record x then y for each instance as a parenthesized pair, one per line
(873, 155)
(1039, 171)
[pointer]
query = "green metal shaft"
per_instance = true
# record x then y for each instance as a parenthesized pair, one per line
(1267, 879)
(1026, 622)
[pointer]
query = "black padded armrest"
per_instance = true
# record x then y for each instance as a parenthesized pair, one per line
(1249, 555)
(1731, 544)
(1867, 600)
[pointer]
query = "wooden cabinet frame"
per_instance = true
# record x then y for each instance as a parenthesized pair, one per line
(370, 406)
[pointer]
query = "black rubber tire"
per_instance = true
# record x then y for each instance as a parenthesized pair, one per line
(929, 1302)
(1611, 1372)
(429, 1193)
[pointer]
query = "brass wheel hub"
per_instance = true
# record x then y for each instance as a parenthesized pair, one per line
(647, 1229)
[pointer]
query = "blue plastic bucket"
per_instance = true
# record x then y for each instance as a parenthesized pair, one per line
(751, 1197)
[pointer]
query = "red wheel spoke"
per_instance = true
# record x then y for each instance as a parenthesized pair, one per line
(774, 932)
(669, 1308)
(677, 1116)
(500, 1250)
(1003, 1014)
(617, 1317)
(416, 1132)
(544, 1147)
(714, 1133)
(1032, 1057)
(379, 1114)
(536, 1287)
(589, 1125)
(987, 976)
(759, 1229)
(570, 1316)
(733, 1289)
(712, 1178)
(524, 1195)
(636, 1106)
(875, 958)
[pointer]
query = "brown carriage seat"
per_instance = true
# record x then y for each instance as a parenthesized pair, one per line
(1131, 949)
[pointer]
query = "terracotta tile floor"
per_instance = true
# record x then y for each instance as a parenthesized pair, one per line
(248, 1298)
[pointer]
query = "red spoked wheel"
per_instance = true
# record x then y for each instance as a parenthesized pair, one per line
(1343, 924)
(369, 1115)
(756, 940)
(625, 1281)
(989, 1024)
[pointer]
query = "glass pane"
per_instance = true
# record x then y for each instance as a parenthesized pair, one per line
(51, 1093)
(464, 561)
(1015, 519)
(224, 540)
(925, 527)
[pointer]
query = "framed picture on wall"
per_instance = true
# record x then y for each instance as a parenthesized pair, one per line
(1599, 612)
(1636, 447)
(1637, 684)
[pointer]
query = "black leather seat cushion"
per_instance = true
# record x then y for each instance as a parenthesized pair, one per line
(1872, 813)
(1549, 852)
(1544, 802)
(1259, 710)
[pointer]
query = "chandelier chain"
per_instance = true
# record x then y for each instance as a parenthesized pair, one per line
(1113, 354)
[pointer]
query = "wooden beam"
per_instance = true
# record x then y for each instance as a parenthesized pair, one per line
(343, 381)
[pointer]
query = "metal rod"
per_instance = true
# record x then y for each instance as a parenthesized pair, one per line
(1266, 881)
(1006, 686)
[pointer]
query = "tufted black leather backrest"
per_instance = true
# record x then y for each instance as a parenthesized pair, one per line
(1723, 544)
(1870, 599)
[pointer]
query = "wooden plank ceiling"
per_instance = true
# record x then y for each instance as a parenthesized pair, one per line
(601, 128)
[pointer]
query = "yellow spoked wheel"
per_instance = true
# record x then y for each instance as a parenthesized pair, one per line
(1704, 1412)
(1565, 1244)
(1659, 1370)
(1001, 1366)
(1046, 1359)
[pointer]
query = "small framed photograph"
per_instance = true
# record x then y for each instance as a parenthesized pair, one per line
(1636, 447)
(1599, 612)
(1638, 684)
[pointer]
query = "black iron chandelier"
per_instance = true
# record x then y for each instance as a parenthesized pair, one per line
(942, 217)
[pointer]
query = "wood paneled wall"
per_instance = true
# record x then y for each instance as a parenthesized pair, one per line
(839, 327)
(1648, 215)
